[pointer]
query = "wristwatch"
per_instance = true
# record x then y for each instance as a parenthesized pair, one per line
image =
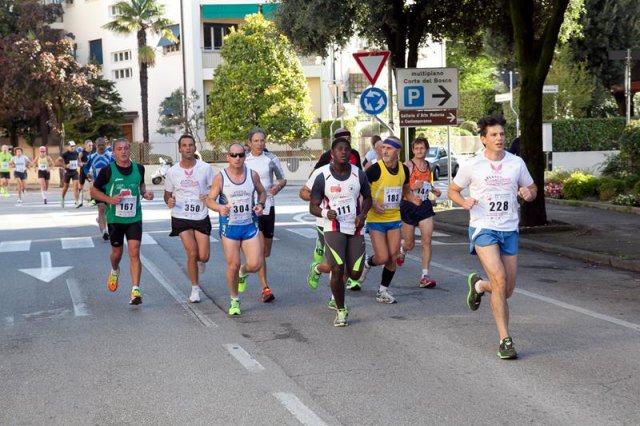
(260, 204)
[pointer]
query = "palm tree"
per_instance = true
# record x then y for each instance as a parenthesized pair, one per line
(138, 16)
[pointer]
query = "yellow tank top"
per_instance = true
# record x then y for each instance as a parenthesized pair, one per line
(387, 191)
(43, 164)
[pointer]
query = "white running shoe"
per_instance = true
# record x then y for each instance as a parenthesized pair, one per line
(195, 294)
(385, 296)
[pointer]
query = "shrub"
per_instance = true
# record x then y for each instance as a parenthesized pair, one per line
(613, 166)
(627, 200)
(587, 134)
(636, 189)
(608, 188)
(553, 190)
(580, 185)
(630, 181)
(557, 176)
(630, 147)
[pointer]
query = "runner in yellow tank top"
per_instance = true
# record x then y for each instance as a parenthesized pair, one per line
(389, 184)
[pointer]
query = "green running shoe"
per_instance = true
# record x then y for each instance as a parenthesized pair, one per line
(331, 304)
(473, 297)
(234, 307)
(318, 254)
(506, 349)
(353, 285)
(242, 282)
(341, 318)
(313, 277)
(136, 297)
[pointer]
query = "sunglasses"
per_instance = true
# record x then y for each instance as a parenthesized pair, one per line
(236, 154)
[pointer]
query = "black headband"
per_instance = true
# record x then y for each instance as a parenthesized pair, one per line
(342, 134)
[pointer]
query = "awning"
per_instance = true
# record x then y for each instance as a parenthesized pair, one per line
(236, 11)
(175, 29)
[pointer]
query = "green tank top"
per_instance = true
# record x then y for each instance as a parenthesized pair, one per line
(128, 211)
(4, 161)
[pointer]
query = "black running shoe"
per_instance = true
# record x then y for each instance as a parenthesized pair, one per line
(473, 297)
(105, 236)
(506, 349)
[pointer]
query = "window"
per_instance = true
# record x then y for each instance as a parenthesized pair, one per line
(114, 11)
(123, 73)
(170, 48)
(95, 51)
(122, 56)
(214, 35)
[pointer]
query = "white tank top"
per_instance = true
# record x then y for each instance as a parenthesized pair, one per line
(239, 198)
(341, 196)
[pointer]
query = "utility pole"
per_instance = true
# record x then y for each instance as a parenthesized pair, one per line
(626, 55)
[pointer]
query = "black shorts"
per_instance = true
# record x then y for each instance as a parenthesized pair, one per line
(117, 232)
(5, 175)
(44, 174)
(179, 225)
(83, 177)
(347, 250)
(267, 223)
(20, 175)
(70, 175)
(413, 215)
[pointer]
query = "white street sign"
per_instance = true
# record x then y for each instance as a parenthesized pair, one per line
(553, 88)
(46, 272)
(503, 97)
(427, 88)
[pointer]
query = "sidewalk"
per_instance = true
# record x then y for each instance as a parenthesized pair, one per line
(592, 234)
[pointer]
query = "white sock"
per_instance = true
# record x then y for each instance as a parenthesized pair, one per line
(425, 271)
(382, 288)
(115, 271)
(242, 271)
(135, 287)
(235, 298)
(477, 287)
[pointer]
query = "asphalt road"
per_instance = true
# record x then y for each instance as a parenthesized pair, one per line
(71, 352)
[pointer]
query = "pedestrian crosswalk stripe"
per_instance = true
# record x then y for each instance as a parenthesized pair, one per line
(439, 234)
(11, 246)
(77, 242)
(305, 232)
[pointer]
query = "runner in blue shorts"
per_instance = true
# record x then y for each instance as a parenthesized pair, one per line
(232, 196)
(495, 180)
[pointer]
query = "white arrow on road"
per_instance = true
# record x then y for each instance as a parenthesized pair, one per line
(46, 272)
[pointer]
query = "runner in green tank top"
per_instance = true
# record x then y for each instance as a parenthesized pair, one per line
(120, 186)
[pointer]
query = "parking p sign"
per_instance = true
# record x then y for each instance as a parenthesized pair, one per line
(427, 88)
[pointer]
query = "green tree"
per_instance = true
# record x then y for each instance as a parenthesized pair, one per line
(607, 25)
(40, 80)
(535, 26)
(140, 16)
(476, 70)
(106, 113)
(260, 83)
(315, 26)
(171, 115)
(576, 87)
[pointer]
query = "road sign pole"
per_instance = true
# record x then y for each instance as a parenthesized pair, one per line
(406, 144)
(627, 85)
(390, 86)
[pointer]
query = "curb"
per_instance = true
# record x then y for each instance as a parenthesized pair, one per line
(594, 205)
(570, 252)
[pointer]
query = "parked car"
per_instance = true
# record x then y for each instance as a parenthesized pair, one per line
(439, 161)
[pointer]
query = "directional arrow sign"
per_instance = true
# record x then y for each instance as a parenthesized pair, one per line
(427, 88)
(373, 101)
(46, 272)
(441, 117)
(371, 63)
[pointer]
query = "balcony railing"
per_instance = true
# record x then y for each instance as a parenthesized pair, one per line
(211, 59)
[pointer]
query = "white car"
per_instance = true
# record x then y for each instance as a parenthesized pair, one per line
(439, 161)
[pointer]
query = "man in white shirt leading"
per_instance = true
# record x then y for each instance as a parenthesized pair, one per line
(495, 180)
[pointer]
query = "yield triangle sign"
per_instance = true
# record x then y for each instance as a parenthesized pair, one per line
(371, 63)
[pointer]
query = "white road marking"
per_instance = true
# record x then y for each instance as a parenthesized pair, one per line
(46, 272)
(212, 239)
(11, 246)
(243, 357)
(79, 305)
(180, 298)
(298, 409)
(305, 232)
(77, 242)
(147, 239)
(439, 234)
(9, 321)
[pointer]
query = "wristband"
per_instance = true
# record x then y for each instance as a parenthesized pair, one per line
(260, 204)
(325, 213)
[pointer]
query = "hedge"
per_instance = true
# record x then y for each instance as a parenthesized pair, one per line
(587, 134)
